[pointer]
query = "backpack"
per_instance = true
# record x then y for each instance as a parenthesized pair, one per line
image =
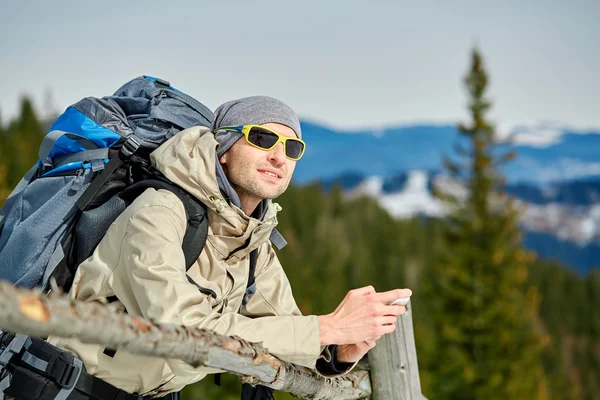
(92, 164)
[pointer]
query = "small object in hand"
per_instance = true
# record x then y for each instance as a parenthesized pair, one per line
(402, 301)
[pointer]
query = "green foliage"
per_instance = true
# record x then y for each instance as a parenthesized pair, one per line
(19, 145)
(569, 311)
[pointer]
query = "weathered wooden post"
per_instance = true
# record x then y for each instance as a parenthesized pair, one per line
(393, 363)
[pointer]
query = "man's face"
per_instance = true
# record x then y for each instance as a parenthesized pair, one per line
(257, 174)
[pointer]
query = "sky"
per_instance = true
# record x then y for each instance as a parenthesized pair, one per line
(347, 64)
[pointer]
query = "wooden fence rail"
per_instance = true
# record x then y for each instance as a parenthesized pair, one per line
(393, 367)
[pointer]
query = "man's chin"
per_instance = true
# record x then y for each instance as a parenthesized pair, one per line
(272, 192)
(263, 189)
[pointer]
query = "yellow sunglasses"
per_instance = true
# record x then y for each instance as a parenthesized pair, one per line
(266, 139)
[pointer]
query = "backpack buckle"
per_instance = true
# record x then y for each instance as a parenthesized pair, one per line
(69, 378)
(70, 375)
(131, 145)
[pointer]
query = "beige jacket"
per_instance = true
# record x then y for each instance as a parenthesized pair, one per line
(140, 260)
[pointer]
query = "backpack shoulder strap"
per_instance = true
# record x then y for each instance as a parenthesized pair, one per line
(251, 286)
(279, 242)
(197, 225)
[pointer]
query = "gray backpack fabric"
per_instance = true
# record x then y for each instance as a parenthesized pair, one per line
(93, 152)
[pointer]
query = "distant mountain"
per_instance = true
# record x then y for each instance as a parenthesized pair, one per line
(555, 177)
(332, 153)
(583, 192)
(545, 153)
(561, 221)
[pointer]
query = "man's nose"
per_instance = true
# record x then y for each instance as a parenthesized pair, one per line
(277, 154)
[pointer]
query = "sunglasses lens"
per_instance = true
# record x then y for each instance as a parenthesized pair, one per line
(293, 149)
(262, 138)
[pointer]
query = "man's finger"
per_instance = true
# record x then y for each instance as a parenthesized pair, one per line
(391, 295)
(363, 291)
(386, 320)
(394, 310)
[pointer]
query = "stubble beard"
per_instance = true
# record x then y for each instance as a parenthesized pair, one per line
(249, 186)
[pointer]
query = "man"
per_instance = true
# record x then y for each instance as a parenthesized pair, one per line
(235, 169)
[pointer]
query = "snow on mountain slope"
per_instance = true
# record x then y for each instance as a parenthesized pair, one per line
(577, 221)
(580, 224)
(414, 199)
(538, 134)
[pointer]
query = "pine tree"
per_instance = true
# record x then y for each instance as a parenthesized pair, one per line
(485, 314)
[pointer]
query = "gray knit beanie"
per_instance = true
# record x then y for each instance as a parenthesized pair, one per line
(255, 110)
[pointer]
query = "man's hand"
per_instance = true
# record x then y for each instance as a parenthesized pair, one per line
(363, 316)
(349, 353)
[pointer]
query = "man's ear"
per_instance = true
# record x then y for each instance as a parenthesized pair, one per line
(223, 161)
